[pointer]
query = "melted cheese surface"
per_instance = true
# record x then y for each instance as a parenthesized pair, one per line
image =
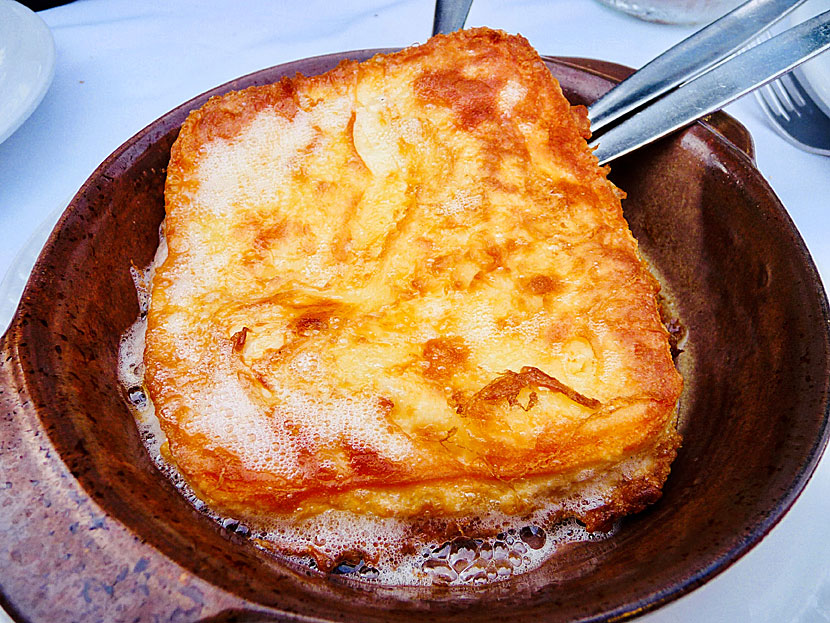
(403, 287)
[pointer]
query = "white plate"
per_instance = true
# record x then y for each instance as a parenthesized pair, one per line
(27, 64)
(14, 281)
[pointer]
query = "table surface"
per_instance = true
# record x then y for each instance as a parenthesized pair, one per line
(121, 64)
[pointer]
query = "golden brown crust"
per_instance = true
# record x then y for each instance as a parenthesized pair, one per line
(404, 287)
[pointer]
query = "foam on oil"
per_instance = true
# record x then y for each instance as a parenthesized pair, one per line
(386, 550)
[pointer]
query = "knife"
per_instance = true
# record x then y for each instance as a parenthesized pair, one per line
(717, 87)
(689, 58)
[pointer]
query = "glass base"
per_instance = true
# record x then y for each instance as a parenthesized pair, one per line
(674, 11)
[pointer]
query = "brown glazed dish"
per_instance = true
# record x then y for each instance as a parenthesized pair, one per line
(90, 531)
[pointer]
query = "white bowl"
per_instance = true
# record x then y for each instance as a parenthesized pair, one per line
(27, 64)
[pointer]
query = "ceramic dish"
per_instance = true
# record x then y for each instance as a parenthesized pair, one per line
(103, 536)
(27, 64)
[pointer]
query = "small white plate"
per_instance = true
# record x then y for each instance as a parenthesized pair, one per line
(27, 64)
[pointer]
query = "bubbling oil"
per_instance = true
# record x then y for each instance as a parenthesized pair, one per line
(390, 551)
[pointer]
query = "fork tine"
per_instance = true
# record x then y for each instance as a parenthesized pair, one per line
(783, 95)
(793, 90)
(769, 102)
(769, 99)
(808, 128)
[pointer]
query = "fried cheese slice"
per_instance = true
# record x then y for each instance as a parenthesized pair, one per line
(405, 287)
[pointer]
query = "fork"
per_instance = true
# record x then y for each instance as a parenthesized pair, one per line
(794, 114)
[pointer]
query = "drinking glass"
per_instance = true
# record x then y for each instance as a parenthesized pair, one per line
(674, 11)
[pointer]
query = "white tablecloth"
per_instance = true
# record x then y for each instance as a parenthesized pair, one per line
(122, 63)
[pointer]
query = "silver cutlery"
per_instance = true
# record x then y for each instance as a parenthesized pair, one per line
(712, 90)
(689, 58)
(698, 76)
(795, 115)
(450, 15)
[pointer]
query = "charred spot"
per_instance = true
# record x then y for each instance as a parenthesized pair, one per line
(675, 328)
(310, 324)
(440, 264)
(632, 497)
(676, 333)
(508, 386)
(542, 284)
(576, 191)
(496, 255)
(238, 339)
(600, 519)
(457, 400)
(368, 462)
(266, 235)
(644, 495)
(472, 100)
(385, 404)
(223, 117)
(444, 355)
(558, 332)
